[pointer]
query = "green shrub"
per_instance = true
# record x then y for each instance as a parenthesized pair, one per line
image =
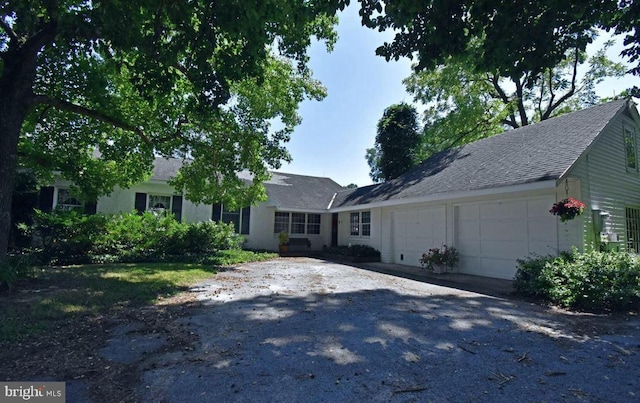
(66, 237)
(15, 268)
(354, 251)
(72, 238)
(592, 281)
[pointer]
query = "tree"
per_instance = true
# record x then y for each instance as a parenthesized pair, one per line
(137, 79)
(397, 143)
(463, 105)
(515, 37)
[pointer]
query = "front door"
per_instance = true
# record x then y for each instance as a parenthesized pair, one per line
(334, 229)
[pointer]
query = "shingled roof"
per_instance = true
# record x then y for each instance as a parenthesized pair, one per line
(538, 152)
(300, 192)
(285, 191)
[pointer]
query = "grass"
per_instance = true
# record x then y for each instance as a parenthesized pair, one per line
(62, 294)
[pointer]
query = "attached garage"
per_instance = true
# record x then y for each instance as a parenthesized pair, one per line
(415, 231)
(491, 236)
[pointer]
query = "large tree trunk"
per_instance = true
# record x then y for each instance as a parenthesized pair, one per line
(16, 85)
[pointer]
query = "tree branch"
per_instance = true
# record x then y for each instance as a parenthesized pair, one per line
(524, 120)
(12, 34)
(567, 95)
(81, 110)
(505, 100)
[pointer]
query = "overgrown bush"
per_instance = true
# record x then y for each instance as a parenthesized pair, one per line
(73, 238)
(354, 251)
(66, 237)
(15, 268)
(592, 281)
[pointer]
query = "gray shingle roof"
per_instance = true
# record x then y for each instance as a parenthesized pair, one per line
(285, 191)
(289, 191)
(543, 151)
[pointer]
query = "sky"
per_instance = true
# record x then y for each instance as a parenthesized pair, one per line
(335, 132)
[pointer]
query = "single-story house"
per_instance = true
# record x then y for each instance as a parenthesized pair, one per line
(490, 199)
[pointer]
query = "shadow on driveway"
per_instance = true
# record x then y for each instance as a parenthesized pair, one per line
(316, 331)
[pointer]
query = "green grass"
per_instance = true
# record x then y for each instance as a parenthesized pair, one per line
(69, 293)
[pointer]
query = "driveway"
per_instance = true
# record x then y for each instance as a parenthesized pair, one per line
(307, 330)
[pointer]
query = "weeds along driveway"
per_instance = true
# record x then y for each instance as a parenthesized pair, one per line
(305, 330)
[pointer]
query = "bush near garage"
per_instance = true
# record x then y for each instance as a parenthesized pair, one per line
(592, 281)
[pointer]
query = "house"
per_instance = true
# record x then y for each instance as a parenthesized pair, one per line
(490, 199)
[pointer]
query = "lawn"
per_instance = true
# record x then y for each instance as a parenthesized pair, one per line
(66, 294)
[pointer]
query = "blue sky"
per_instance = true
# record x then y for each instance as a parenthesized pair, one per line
(335, 133)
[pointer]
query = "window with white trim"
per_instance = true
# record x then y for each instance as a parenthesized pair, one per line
(630, 150)
(281, 222)
(66, 201)
(313, 224)
(296, 223)
(158, 203)
(360, 223)
(632, 216)
(354, 224)
(240, 218)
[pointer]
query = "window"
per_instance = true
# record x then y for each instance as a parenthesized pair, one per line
(630, 148)
(355, 224)
(360, 223)
(296, 223)
(240, 218)
(633, 229)
(158, 203)
(281, 222)
(66, 201)
(366, 223)
(313, 224)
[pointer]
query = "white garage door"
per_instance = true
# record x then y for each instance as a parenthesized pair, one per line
(415, 231)
(491, 236)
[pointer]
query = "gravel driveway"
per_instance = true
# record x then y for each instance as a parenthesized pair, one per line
(306, 330)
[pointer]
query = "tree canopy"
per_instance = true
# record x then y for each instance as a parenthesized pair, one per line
(462, 105)
(397, 143)
(511, 37)
(95, 90)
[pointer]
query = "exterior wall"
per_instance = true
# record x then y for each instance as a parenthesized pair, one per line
(606, 184)
(377, 232)
(261, 235)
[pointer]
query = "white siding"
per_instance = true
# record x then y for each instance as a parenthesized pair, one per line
(606, 183)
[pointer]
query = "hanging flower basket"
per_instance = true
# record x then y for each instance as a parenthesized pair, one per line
(568, 209)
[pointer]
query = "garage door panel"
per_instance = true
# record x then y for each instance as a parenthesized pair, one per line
(503, 229)
(539, 228)
(415, 231)
(512, 209)
(504, 232)
(503, 249)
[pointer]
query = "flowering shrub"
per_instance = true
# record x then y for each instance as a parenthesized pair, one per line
(567, 209)
(446, 256)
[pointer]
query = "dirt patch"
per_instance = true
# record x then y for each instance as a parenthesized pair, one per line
(70, 351)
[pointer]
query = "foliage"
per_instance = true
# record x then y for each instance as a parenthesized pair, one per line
(485, 31)
(354, 251)
(462, 105)
(283, 238)
(95, 90)
(73, 238)
(397, 143)
(591, 281)
(567, 209)
(445, 256)
(14, 269)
